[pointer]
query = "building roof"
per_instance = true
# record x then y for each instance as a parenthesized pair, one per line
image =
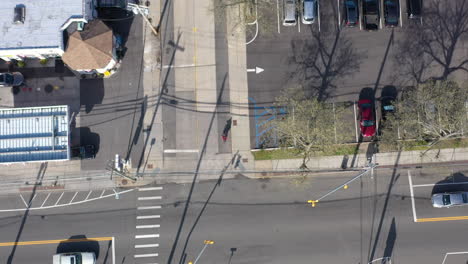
(42, 23)
(91, 48)
(34, 134)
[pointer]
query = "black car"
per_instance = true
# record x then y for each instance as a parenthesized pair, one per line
(351, 13)
(391, 13)
(83, 152)
(414, 8)
(387, 106)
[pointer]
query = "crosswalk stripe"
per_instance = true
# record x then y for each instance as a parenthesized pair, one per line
(147, 226)
(149, 198)
(149, 207)
(146, 236)
(148, 216)
(147, 246)
(150, 189)
(146, 255)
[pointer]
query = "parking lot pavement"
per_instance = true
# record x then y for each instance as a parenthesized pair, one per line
(423, 184)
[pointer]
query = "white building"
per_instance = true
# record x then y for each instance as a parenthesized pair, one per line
(34, 28)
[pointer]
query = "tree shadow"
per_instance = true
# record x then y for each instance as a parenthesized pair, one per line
(78, 243)
(322, 61)
(91, 93)
(428, 50)
(449, 184)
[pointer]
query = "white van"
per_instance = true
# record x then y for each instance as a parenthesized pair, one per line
(289, 13)
(75, 258)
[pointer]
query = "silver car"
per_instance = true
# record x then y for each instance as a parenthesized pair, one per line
(446, 200)
(309, 11)
(289, 13)
(8, 79)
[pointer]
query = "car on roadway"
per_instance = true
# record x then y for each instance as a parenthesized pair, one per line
(449, 199)
(351, 13)
(8, 79)
(289, 13)
(391, 13)
(309, 11)
(367, 118)
(387, 105)
(75, 258)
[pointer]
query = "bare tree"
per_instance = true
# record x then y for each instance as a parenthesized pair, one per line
(432, 112)
(428, 49)
(308, 126)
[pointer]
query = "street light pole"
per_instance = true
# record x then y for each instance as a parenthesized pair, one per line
(206, 242)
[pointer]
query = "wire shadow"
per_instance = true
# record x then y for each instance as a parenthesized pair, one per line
(195, 176)
(40, 176)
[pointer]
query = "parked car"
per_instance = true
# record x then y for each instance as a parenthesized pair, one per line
(75, 258)
(367, 118)
(391, 13)
(387, 104)
(83, 152)
(309, 11)
(351, 13)
(446, 200)
(414, 8)
(289, 13)
(371, 15)
(8, 79)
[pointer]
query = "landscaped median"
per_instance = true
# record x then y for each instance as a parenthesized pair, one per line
(355, 155)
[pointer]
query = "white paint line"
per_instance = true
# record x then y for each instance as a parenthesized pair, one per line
(146, 236)
(73, 198)
(147, 246)
(278, 15)
(146, 255)
(60, 197)
(181, 151)
(339, 13)
(146, 226)
(150, 189)
(453, 253)
(34, 196)
(318, 13)
(145, 198)
(149, 207)
(45, 200)
(87, 196)
(299, 24)
(22, 198)
(103, 191)
(412, 196)
(179, 66)
(401, 19)
(439, 184)
(148, 217)
(113, 250)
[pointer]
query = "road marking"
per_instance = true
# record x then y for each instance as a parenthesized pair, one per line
(149, 207)
(148, 217)
(257, 70)
(415, 219)
(181, 151)
(147, 226)
(147, 246)
(439, 184)
(145, 198)
(278, 15)
(45, 200)
(59, 199)
(22, 198)
(146, 255)
(56, 241)
(73, 198)
(453, 253)
(438, 219)
(146, 236)
(150, 189)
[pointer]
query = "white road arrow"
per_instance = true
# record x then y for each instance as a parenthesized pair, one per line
(257, 70)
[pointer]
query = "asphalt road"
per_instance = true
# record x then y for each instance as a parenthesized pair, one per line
(262, 221)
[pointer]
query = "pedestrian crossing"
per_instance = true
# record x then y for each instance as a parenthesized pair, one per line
(147, 224)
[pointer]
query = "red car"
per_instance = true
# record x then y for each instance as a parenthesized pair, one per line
(366, 113)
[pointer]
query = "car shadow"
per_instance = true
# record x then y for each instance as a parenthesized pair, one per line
(449, 184)
(91, 93)
(78, 243)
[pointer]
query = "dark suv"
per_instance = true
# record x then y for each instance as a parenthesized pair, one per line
(414, 8)
(391, 13)
(351, 13)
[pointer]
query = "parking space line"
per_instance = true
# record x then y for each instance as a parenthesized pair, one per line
(145, 198)
(87, 196)
(278, 16)
(401, 19)
(147, 246)
(148, 217)
(22, 198)
(415, 219)
(60, 197)
(438, 219)
(150, 188)
(318, 12)
(146, 255)
(45, 199)
(149, 207)
(73, 198)
(439, 184)
(147, 226)
(339, 13)
(299, 25)
(146, 236)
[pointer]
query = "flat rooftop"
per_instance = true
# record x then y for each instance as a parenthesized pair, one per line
(34, 134)
(42, 23)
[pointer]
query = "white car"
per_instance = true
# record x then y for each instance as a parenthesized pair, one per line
(75, 258)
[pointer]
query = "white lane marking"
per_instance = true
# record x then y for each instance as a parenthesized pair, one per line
(318, 13)
(87, 196)
(148, 217)
(147, 246)
(453, 253)
(278, 15)
(299, 24)
(146, 226)
(22, 198)
(146, 255)
(146, 236)
(150, 189)
(149, 207)
(145, 198)
(439, 184)
(412, 196)
(181, 151)
(73, 198)
(45, 200)
(339, 13)
(257, 70)
(59, 199)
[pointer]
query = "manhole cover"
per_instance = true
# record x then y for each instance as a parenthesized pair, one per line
(48, 88)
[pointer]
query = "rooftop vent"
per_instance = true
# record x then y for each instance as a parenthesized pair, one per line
(20, 14)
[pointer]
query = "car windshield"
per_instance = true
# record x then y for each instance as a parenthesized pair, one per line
(366, 105)
(446, 199)
(367, 123)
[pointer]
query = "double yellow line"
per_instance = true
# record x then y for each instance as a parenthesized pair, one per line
(438, 219)
(43, 242)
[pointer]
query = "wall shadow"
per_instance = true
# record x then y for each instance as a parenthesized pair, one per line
(91, 93)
